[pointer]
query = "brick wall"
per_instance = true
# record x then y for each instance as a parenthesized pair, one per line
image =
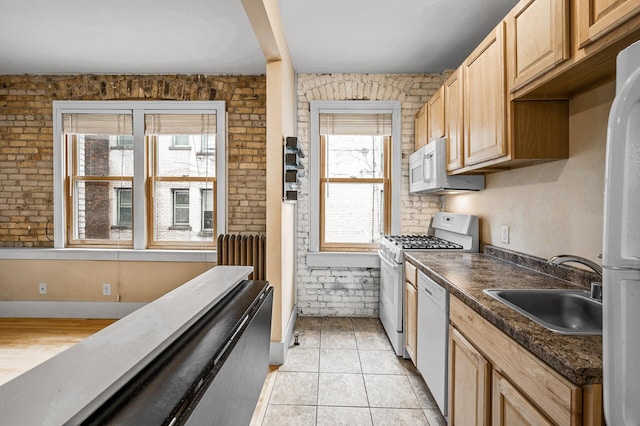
(355, 291)
(26, 142)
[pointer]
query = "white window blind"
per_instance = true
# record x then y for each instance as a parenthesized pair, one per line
(180, 124)
(98, 124)
(355, 124)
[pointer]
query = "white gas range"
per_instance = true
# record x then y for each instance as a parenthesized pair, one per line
(447, 232)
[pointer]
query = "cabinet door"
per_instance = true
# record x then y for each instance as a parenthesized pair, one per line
(485, 100)
(435, 123)
(537, 38)
(420, 129)
(511, 408)
(468, 383)
(598, 17)
(453, 119)
(411, 320)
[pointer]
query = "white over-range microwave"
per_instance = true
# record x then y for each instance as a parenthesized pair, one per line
(428, 172)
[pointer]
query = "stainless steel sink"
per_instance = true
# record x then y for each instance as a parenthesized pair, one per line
(562, 311)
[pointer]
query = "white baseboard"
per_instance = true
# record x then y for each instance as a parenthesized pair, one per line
(278, 350)
(49, 309)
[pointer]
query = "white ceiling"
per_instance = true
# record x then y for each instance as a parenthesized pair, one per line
(215, 36)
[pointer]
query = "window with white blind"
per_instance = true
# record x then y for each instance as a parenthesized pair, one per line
(139, 174)
(356, 153)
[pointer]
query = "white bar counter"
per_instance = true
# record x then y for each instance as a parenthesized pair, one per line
(77, 381)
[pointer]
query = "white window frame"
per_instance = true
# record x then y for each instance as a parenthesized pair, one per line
(138, 109)
(350, 259)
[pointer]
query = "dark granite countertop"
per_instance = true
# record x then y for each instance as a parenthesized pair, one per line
(578, 358)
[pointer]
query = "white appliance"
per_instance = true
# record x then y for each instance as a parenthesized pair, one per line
(448, 232)
(621, 244)
(428, 172)
(433, 337)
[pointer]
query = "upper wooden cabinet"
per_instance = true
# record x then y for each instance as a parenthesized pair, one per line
(420, 128)
(435, 112)
(501, 134)
(598, 17)
(485, 100)
(453, 119)
(538, 39)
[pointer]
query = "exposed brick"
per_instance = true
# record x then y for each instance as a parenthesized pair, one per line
(355, 291)
(26, 137)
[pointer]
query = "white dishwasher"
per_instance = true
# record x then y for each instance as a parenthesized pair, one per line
(433, 341)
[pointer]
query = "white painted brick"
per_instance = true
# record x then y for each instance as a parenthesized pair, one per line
(353, 291)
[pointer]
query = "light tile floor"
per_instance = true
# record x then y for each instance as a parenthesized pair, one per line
(344, 372)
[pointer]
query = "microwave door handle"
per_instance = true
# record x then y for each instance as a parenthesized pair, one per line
(426, 167)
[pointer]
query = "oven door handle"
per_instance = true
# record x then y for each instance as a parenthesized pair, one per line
(393, 265)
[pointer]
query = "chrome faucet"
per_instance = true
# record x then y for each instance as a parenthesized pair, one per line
(596, 287)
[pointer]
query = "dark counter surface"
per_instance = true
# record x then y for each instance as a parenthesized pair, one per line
(466, 275)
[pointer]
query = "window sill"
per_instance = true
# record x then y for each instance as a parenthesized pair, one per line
(126, 255)
(343, 260)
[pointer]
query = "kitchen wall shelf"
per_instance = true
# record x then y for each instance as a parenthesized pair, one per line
(291, 164)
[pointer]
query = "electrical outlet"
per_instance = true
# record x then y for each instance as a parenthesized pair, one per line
(42, 288)
(505, 234)
(106, 289)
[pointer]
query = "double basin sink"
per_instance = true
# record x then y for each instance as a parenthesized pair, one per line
(559, 310)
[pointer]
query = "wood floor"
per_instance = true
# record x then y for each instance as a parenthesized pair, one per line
(27, 342)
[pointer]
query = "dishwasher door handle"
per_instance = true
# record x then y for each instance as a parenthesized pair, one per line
(426, 290)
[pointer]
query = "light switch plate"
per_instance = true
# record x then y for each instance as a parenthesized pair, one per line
(505, 234)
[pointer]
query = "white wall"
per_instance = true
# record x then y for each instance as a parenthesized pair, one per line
(556, 207)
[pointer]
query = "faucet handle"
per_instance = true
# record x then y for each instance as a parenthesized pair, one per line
(596, 291)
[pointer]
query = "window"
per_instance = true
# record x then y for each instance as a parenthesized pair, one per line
(353, 184)
(94, 172)
(178, 173)
(181, 207)
(124, 141)
(355, 173)
(208, 144)
(207, 210)
(125, 207)
(181, 141)
(122, 181)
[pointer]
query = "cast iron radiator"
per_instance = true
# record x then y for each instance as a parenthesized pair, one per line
(243, 250)
(211, 375)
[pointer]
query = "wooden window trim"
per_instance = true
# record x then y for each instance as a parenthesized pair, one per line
(72, 177)
(386, 185)
(152, 168)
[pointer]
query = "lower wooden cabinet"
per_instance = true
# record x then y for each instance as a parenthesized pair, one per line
(469, 382)
(411, 310)
(411, 320)
(494, 380)
(511, 408)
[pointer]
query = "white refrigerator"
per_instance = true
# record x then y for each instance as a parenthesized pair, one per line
(621, 247)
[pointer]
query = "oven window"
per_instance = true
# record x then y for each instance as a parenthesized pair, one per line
(354, 188)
